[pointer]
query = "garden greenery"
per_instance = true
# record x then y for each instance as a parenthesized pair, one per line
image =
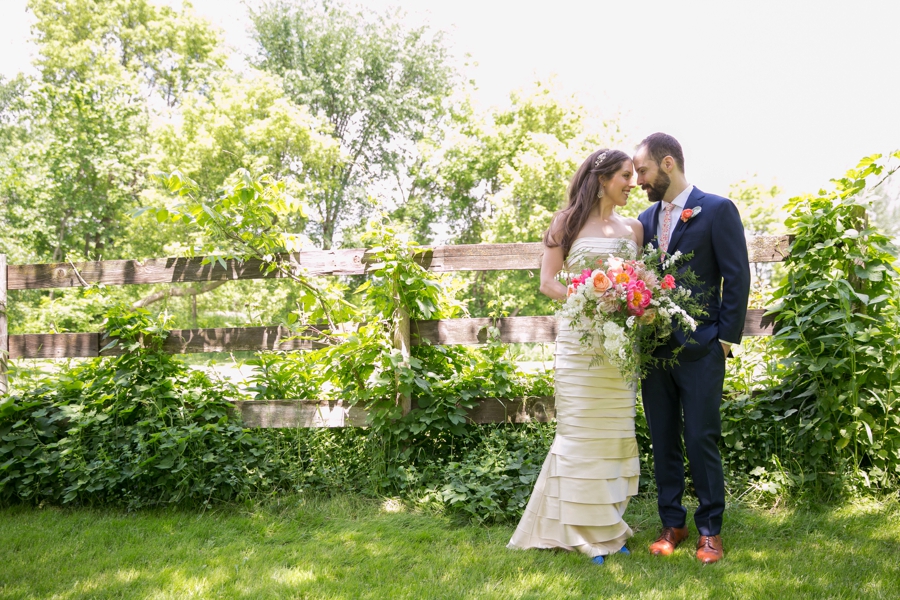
(139, 429)
(813, 409)
(830, 422)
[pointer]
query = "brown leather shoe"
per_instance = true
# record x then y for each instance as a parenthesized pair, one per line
(668, 540)
(709, 549)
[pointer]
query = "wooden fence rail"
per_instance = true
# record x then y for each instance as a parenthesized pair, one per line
(443, 332)
(310, 413)
(441, 259)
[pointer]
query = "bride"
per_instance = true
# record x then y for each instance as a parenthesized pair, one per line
(592, 468)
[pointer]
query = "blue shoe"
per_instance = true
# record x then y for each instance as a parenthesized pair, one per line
(597, 560)
(625, 551)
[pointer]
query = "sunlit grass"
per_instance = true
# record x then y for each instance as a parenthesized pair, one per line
(348, 547)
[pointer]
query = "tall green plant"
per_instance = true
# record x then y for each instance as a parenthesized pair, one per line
(839, 338)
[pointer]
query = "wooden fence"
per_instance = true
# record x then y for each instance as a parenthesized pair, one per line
(309, 413)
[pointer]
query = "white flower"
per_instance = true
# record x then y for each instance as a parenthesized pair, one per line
(630, 322)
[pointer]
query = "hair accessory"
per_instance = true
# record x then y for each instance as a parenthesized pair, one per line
(599, 159)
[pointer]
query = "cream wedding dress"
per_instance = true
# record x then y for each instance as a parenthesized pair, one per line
(592, 469)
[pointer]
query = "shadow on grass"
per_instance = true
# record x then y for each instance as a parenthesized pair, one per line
(353, 548)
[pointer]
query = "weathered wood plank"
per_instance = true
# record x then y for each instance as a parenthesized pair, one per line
(758, 325)
(180, 341)
(514, 410)
(287, 414)
(471, 257)
(235, 339)
(769, 248)
(473, 331)
(4, 330)
(282, 414)
(54, 345)
(177, 270)
(529, 329)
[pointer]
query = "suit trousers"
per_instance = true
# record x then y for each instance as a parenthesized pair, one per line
(685, 400)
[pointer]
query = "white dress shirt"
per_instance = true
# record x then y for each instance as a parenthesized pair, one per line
(679, 202)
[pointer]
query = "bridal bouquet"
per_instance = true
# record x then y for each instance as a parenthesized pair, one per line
(625, 309)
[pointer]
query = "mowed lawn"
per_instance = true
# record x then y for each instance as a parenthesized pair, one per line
(349, 547)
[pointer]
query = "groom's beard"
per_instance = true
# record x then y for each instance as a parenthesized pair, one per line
(657, 190)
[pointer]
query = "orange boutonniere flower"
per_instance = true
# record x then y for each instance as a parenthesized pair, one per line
(689, 213)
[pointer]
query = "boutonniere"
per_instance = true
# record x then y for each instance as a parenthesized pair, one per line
(689, 213)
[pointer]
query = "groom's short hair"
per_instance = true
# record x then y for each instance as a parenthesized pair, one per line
(661, 145)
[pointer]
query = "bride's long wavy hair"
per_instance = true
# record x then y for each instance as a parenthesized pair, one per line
(582, 197)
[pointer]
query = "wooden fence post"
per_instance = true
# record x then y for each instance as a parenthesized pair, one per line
(402, 342)
(4, 330)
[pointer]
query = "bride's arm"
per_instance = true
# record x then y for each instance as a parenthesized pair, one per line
(551, 265)
(638, 231)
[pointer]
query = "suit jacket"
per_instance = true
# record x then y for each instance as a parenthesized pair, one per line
(716, 237)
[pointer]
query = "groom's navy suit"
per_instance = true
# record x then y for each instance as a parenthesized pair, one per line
(686, 398)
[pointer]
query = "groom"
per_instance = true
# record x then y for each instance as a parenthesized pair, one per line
(685, 399)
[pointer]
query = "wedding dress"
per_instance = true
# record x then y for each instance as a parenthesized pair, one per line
(592, 468)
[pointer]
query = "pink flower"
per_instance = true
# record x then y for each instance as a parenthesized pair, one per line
(579, 279)
(668, 283)
(638, 298)
(621, 275)
(646, 275)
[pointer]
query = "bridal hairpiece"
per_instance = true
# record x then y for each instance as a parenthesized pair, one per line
(599, 159)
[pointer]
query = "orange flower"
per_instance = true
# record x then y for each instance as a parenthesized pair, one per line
(601, 281)
(686, 214)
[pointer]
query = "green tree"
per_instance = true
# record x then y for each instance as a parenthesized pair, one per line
(383, 88)
(72, 179)
(248, 123)
(502, 178)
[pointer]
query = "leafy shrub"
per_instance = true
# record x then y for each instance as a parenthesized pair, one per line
(493, 480)
(835, 417)
(138, 429)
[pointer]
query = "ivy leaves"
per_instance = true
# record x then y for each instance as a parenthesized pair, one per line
(838, 333)
(137, 430)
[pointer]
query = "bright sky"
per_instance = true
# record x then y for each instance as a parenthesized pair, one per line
(794, 91)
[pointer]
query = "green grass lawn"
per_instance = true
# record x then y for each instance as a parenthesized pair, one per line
(355, 548)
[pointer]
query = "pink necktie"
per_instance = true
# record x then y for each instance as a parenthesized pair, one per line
(666, 225)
